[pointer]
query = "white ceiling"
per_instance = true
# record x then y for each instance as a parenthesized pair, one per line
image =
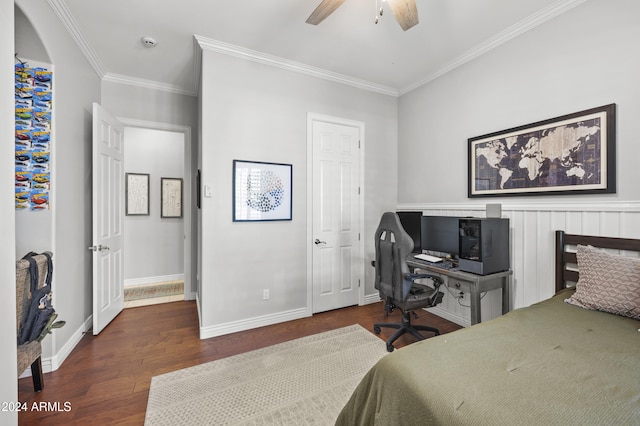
(347, 46)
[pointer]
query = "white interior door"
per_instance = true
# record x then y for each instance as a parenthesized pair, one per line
(108, 213)
(336, 215)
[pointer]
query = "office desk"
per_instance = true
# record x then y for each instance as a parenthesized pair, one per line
(468, 283)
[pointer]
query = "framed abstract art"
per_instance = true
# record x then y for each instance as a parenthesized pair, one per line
(261, 191)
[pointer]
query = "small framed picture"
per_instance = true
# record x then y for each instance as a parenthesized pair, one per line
(171, 197)
(137, 194)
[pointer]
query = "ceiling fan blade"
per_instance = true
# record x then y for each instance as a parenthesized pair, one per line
(405, 11)
(323, 10)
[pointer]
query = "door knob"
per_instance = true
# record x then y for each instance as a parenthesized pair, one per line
(98, 248)
(317, 241)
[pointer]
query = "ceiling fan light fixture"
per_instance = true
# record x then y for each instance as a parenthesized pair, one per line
(405, 11)
(379, 12)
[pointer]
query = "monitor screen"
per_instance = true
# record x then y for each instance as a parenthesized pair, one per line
(412, 223)
(440, 234)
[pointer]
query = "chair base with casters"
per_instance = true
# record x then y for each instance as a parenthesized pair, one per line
(405, 326)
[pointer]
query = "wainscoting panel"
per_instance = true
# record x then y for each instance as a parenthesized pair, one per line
(532, 234)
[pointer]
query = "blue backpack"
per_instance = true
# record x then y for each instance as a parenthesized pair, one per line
(38, 319)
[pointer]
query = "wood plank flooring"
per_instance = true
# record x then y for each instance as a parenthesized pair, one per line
(105, 380)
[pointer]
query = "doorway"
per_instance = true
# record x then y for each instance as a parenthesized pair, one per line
(157, 266)
(335, 150)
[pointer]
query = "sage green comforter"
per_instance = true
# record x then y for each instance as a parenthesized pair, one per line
(548, 364)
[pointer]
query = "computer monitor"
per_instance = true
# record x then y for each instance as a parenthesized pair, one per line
(412, 223)
(440, 234)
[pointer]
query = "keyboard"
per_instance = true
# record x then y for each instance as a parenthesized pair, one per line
(428, 258)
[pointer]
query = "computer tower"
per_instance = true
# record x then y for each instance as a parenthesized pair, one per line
(484, 245)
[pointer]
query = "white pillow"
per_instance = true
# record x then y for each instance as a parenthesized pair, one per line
(608, 282)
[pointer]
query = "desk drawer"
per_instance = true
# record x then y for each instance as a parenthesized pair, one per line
(461, 285)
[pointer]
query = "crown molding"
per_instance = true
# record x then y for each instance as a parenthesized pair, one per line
(542, 16)
(278, 62)
(62, 11)
(147, 84)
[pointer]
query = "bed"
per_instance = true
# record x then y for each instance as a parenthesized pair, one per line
(552, 363)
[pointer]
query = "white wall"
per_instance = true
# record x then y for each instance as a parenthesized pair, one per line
(257, 112)
(154, 246)
(579, 60)
(8, 358)
(532, 233)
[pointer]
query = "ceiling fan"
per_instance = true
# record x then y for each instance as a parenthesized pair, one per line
(405, 11)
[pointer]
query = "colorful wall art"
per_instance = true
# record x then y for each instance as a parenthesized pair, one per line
(33, 106)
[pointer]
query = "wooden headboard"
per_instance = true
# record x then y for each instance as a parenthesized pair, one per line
(566, 261)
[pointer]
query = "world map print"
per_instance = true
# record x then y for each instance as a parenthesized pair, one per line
(556, 157)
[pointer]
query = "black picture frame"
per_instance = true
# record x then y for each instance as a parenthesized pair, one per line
(262, 191)
(570, 154)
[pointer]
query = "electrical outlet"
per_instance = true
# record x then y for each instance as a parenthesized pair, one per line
(265, 294)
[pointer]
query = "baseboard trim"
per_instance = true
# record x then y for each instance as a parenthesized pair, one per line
(54, 362)
(371, 298)
(250, 323)
(152, 280)
(65, 351)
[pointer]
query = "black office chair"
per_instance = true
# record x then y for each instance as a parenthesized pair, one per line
(395, 282)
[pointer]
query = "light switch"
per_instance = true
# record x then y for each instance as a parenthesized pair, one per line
(207, 191)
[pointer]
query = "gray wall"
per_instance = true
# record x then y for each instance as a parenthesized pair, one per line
(160, 109)
(76, 87)
(154, 246)
(147, 104)
(35, 228)
(256, 112)
(66, 229)
(582, 59)
(579, 60)
(8, 358)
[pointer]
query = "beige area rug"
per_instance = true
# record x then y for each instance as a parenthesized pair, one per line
(171, 288)
(305, 381)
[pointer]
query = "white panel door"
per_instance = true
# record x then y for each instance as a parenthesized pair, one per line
(336, 175)
(108, 214)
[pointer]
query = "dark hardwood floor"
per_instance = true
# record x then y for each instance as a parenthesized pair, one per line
(105, 380)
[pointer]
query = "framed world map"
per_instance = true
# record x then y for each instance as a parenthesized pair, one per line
(571, 154)
(261, 191)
